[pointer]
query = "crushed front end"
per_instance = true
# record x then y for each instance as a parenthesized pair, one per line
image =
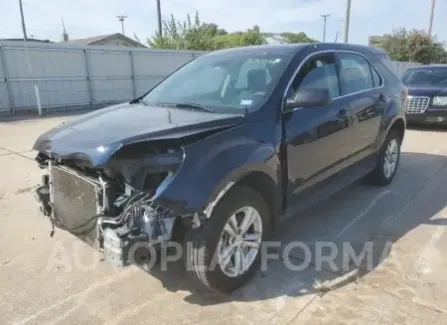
(112, 207)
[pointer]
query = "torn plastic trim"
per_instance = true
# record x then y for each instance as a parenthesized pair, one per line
(198, 218)
(209, 209)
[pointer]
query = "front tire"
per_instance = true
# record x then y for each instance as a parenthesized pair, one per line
(388, 161)
(224, 254)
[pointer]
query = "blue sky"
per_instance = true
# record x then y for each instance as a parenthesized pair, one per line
(85, 18)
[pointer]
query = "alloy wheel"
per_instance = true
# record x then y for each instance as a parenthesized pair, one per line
(390, 158)
(240, 241)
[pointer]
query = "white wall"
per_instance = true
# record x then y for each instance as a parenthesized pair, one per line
(73, 77)
(401, 67)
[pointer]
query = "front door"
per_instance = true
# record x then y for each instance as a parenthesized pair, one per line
(316, 137)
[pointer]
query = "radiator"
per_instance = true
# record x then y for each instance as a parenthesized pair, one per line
(75, 200)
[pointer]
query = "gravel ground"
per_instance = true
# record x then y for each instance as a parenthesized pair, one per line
(59, 280)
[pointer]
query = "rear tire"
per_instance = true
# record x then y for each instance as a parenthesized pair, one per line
(387, 162)
(208, 245)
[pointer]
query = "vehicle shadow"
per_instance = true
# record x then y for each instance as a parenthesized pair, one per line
(357, 215)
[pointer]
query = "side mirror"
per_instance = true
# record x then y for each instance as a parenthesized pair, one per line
(309, 98)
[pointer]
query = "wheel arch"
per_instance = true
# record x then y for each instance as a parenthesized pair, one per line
(265, 185)
(258, 180)
(399, 126)
(395, 123)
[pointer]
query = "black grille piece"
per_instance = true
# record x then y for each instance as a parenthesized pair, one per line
(74, 201)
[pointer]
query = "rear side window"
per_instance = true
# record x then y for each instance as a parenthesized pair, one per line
(377, 79)
(355, 73)
(385, 60)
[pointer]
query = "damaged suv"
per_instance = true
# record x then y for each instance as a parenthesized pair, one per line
(223, 150)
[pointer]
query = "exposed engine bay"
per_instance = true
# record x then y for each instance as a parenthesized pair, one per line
(112, 207)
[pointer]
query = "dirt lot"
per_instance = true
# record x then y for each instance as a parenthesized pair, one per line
(57, 280)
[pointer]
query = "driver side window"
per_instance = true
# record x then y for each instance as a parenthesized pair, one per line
(319, 72)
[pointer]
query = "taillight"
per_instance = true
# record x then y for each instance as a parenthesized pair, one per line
(404, 98)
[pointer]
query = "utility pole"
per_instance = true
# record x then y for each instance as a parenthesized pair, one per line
(325, 17)
(121, 19)
(432, 14)
(23, 21)
(160, 29)
(347, 19)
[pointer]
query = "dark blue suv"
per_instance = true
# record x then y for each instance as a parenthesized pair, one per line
(221, 151)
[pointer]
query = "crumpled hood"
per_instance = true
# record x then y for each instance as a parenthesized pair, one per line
(427, 91)
(99, 134)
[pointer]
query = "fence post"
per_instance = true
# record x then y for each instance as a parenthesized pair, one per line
(132, 68)
(8, 85)
(89, 79)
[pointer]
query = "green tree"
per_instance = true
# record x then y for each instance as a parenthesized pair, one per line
(250, 37)
(441, 54)
(415, 46)
(421, 47)
(295, 38)
(186, 35)
(196, 35)
(395, 45)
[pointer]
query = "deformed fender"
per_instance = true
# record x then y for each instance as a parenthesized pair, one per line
(213, 163)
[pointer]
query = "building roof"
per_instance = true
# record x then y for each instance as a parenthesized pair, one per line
(96, 39)
(36, 40)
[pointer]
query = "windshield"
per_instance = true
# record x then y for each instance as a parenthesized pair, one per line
(434, 77)
(222, 83)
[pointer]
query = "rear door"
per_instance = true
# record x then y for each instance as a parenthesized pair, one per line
(363, 87)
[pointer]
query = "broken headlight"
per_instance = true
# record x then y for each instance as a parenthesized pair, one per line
(149, 173)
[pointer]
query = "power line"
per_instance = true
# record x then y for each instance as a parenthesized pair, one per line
(347, 19)
(121, 19)
(325, 17)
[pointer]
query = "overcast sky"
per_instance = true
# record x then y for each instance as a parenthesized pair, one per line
(86, 18)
